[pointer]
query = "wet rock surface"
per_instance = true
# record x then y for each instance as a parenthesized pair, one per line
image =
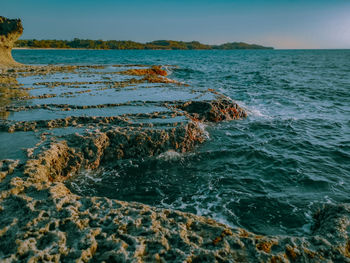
(86, 117)
(214, 111)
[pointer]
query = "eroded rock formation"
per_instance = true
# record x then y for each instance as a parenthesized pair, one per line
(154, 70)
(41, 220)
(10, 31)
(214, 111)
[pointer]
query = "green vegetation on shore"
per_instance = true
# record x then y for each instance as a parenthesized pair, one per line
(114, 44)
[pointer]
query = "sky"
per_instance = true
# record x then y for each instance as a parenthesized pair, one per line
(284, 24)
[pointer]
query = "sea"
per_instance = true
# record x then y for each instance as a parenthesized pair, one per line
(268, 173)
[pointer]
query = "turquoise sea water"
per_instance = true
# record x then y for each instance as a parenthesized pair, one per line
(268, 173)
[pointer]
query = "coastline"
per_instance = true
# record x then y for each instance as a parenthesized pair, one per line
(27, 48)
(277, 49)
(39, 48)
(56, 224)
(131, 45)
(42, 219)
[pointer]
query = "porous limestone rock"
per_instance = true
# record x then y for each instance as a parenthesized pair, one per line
(41, 220)
(10, 31)
(154, 70)
(214, 111)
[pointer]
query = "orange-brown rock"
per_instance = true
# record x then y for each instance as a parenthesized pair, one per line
(214, 111)
(155, 70)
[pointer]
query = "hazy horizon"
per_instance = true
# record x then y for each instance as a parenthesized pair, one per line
(281, 24)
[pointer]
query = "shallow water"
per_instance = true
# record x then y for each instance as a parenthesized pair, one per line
(267, 173)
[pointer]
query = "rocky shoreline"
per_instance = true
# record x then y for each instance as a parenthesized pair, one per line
(72, 118)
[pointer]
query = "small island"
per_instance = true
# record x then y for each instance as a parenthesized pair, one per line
(77, 43)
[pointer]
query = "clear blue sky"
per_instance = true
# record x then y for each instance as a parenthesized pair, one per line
(278, 23)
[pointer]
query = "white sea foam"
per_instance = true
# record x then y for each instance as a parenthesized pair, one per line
(255, 111)
(203, 127)
(86, 178)
(169, 155)
(168, 69)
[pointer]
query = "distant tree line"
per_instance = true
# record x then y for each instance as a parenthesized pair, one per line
(114, 44)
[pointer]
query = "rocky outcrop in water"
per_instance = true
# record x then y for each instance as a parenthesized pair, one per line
(10, 31)
(41, 220)
(214, 111)
(154, 70)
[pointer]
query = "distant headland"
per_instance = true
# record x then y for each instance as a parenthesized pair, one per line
(117, 44)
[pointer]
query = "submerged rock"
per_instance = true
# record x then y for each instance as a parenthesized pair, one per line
(9, 90)
(10, 31)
